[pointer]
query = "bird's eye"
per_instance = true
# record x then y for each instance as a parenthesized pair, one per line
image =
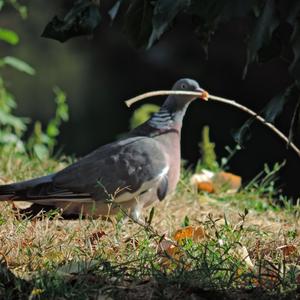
(183, 86)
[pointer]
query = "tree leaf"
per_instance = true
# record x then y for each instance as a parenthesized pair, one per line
(82, 19)
(243, 134)
(276, 104)
(9, 36)
(294, 9)
(210, 13)
(294, 67)
(1, 4)
(114, 10)
(262, 33)
(295, 120)
(210, 10)
(18, 64)
(138, 22)
(270, 112)
(164, 13)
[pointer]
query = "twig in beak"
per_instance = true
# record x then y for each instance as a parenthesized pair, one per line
(161, 93)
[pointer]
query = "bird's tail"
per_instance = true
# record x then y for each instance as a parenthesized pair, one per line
(17, 191)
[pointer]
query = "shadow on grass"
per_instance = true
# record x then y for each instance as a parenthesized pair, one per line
(101, 280)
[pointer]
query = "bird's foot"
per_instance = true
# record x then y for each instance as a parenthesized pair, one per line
(134, 215)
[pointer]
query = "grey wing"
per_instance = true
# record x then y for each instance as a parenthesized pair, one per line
(121, 170)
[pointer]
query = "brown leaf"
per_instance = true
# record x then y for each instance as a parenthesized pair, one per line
(226, 181)
(96, 236)
(288, 250)
(169, 247)
(190, 232)
(206, 186)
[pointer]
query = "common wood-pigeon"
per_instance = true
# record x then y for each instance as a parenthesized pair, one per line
(130, 173)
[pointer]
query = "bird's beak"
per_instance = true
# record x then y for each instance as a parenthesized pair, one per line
(204, 94)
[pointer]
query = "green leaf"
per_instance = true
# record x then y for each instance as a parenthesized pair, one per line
(142, 114)
(186, 222)
(82, 19)
(63, 112)
(18, 64)
(1, 4)
(164, 13)
(7, 119)
(52, 129)
(138, 22)
(10, 139)
(151, 215)
(41, 151)
(9, 36)
(262, 33)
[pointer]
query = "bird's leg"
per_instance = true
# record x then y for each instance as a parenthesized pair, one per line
(134, 213)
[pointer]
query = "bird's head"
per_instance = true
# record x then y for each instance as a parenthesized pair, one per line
(189, 85)
(179, 102)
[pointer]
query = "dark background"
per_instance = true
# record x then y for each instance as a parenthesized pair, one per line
(100, 72)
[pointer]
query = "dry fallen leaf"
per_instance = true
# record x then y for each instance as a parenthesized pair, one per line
(288, 250)
(96, 236)
(216, 182)
(224, 181)
(190, 232)
(205, 186)
(169, 247)
(244, 255)
(203, 181)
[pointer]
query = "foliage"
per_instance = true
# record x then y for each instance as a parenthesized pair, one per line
(207, 149)
(12, 128)
(9, 36)
(260, 193)
(42, 143)
(142, 114)
(82, 19)
(264, 182)
(20, 8)
(273, 32)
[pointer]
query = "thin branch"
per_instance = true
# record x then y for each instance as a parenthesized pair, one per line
(218, 99)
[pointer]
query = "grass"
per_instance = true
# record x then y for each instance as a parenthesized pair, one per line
(248, 247)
